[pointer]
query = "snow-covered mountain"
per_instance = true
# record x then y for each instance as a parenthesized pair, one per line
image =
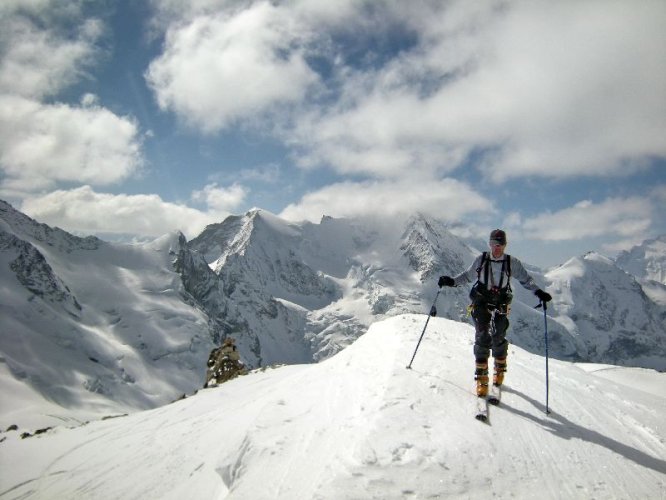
(607, 310)
(313, 288)
(91, 326)
(302, 292)
(360, 425)
(647, 260)
(130, 326)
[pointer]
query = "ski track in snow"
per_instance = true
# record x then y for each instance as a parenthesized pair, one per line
(360, 425)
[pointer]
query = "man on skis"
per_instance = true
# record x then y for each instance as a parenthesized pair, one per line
(491, 302)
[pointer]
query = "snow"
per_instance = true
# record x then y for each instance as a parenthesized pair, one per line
(647, 260)
(91, 329)
(132, 343)
(360, 425)
(612, 317)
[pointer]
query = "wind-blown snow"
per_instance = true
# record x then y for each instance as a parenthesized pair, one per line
(360, 425)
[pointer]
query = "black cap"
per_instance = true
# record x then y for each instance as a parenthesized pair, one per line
(498, 236)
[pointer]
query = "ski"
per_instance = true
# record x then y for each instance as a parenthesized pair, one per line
(495, 396)
(482, 403)
(481, 409)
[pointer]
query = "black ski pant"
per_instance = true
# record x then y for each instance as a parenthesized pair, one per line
(488, 338)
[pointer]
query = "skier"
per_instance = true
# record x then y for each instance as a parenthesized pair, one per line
(491, 303)
(224, 363)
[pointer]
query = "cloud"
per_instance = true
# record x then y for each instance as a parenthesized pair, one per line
(384, 136)
(658, 193)
(45, 48)
(516, 89)
(556, 90)
(43, 144)
(38, 62)
(623, 217)
(220, 199)
(447, 199)
(85, 211)
(267, 173)
(222, 68)
(581, 88)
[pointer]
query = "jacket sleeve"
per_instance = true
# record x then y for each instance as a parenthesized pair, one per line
(519, 272)
(469, 274)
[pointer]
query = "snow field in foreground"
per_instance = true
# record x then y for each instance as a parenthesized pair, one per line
(360, 425)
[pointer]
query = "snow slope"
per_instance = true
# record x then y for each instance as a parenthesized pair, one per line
(360, 425)
(90, 328)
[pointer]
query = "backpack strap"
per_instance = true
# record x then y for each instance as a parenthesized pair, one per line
(501, 282)
(484, 259)
(485, 265)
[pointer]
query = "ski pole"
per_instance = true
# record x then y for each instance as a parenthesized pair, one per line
(432, 312)
(545, 329)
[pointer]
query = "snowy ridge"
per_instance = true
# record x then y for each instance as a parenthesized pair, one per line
(359, 425)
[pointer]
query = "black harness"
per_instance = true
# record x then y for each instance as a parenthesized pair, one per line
(489, 291)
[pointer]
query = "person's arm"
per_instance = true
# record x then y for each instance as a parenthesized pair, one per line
(519, 272)
(465, 277)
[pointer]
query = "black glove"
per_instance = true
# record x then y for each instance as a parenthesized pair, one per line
(445, 281)
(543, 296)
(433, 311)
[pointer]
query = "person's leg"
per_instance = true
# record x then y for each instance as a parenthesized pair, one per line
(500, 347)
(482, 339)
(482, 345)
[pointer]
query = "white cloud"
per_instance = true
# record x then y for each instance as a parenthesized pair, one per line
(42, 144)
(616, 247)
(447, 199)
(582, 88)
(89, 100)
(219, 69)
(549, 88)
(554, 89)
(38, 62)
(389, 135)
(220, 199)
(46, 47)
(85, 211)
(658, 193)
(321, 13)
(624, 217)
(268, 173)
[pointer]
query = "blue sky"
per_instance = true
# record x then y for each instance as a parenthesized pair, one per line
(134, 118)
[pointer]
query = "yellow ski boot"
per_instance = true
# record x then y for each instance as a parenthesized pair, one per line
(500, 370)
(481, 377)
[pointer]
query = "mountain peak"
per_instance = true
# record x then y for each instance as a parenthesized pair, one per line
(597, 257)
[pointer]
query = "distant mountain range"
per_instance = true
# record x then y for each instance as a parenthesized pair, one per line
(134, 324)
